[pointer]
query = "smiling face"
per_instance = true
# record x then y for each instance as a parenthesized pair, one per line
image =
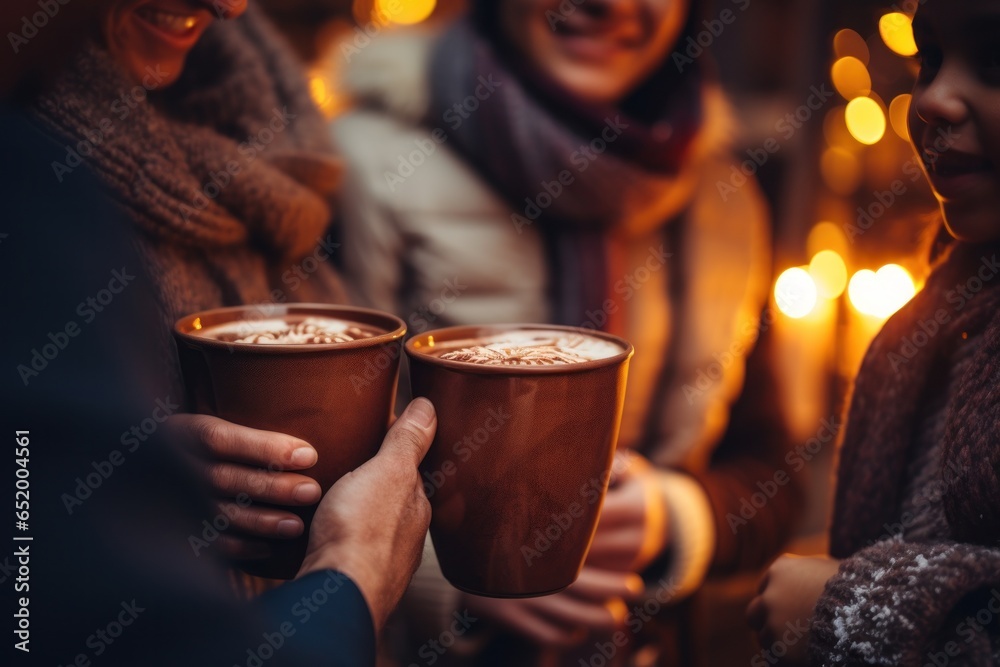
(599, 50)
(956, 102)
(156, 35)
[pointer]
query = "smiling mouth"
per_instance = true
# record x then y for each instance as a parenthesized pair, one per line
(177, 25)
(584, 25)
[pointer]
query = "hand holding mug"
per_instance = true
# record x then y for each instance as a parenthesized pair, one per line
(595, 602)
(632, 531)
(372, 523)
(243, 467)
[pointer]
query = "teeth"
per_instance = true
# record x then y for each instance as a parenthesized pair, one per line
(170, 22)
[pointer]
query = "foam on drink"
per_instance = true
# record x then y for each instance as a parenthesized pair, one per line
(528, 348)
(302, 330)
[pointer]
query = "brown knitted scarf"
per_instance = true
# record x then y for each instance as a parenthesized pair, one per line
(169, 161)
(961, 299)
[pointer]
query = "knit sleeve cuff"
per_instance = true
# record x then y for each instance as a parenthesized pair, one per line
(692, 532)
(894, 602)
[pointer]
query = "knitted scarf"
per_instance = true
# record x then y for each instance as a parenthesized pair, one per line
(577, 170)
(231, 163)
(961, 299)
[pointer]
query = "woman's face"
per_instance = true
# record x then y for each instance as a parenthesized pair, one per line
(598, 50)
(955, 113)
(155, 36)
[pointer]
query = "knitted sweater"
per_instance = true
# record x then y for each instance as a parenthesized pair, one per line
(917, 594)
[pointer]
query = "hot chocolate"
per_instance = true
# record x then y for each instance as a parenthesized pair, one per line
(528, 348)
(538, 409)
(324, 374)
(291, 330)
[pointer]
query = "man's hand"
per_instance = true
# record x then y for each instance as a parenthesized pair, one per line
(241, 463)
(784, 605)
(596, 601)
(372, 523)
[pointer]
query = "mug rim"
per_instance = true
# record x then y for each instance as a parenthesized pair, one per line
(481, 369)
(184, 327)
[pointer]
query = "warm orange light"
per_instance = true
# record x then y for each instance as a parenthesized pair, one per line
(895, 286)
(826, 236)
(851, 78)
(881, 293)
(405, 12)
(898, 109)
(318, 90)
(795, 293)
(861, 291)
(865, 120)
(847, 42)
(896, 29)
(829, 272)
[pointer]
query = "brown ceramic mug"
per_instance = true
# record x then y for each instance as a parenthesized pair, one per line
(337, 396)
(521, 459)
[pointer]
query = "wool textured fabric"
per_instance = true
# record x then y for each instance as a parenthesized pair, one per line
(227, 175)
(917, 492)
(887, 399)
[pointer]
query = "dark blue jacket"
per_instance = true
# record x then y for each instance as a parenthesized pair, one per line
(109, 576)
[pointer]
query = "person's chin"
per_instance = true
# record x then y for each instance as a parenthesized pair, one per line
(158, 73)
(588, 85)
(971, 223)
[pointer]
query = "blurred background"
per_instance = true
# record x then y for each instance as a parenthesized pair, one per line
(822, 91)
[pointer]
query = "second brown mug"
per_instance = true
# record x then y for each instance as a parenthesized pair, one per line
(520, 463)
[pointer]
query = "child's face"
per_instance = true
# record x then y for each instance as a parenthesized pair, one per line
(955, 115)
(599, 49)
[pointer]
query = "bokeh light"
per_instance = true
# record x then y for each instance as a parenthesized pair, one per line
(826, 236)
(848, 42)
(829, 273)
(406, 12)
(895, 286)
(896, 29)
(795, 293)
(851, 78)
(865, 120)
(319, 91)
(898, 109)
(881, 293)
